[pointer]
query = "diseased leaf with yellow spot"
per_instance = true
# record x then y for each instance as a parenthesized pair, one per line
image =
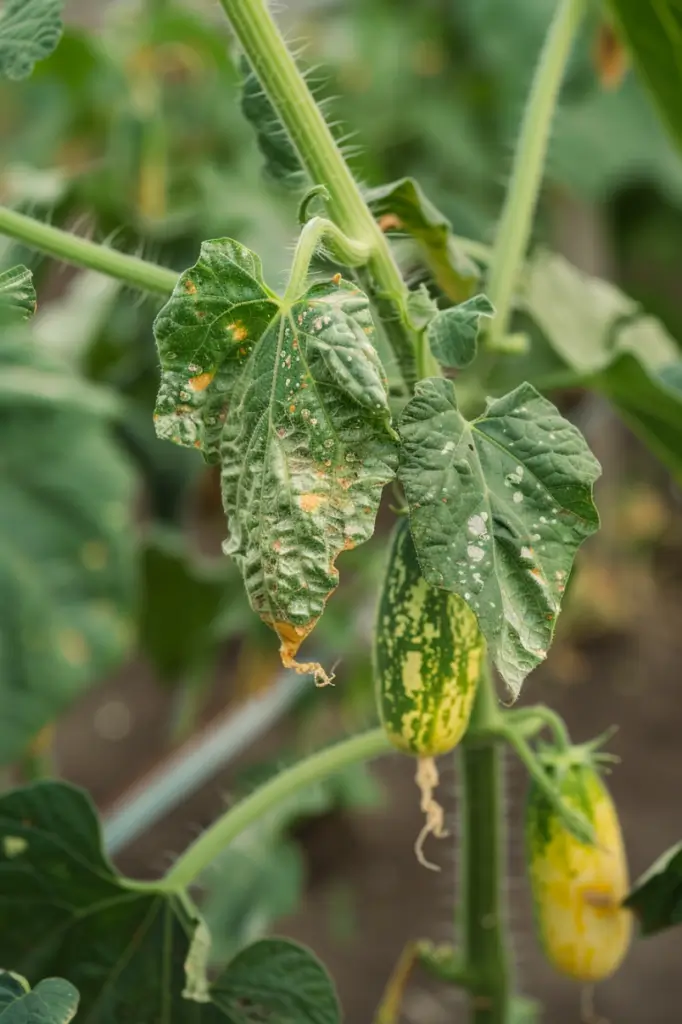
(498, 509)
(298, 401)
(67, 543)
(204, 333)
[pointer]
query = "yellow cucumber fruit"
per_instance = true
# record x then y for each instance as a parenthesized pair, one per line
(428, 654)
(577, 888)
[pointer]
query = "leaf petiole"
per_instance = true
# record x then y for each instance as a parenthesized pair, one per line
(68, 247)
(575, 822)
(318, 229)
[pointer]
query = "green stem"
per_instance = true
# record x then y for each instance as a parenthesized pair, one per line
(443, 962)
(575, 822)
(351, 253)
(72, 249)
(538, 716)
(482, 908)
(213, 841)
(291, 98)
(529, 160)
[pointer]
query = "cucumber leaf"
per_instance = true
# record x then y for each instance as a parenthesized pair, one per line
(134, 951)
(17, 295)
(453, 333)
(402, 207)
(52, 1001)
(498, 508)
(653, 30)
(306, 446)
(29, 31)
(656, 898)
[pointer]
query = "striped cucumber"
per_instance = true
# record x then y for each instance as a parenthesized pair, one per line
(578, 889)
(428, 655)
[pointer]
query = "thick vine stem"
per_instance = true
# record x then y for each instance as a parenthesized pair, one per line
(529, 160)
(290, 96)
(213, 841)
(482, 859)
(72, 249)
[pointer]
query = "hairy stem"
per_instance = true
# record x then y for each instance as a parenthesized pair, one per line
(485, 938)
(532, 719)
(291, 98)
(529, 160)
(214, 840)
(312, 234)
(72, 249)
(575, 822)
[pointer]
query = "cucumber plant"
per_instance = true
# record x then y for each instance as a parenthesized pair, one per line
(312, 400)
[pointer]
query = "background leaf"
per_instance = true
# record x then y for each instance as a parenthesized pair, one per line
(65, 910)
(260, 876)
(656, 898)
(52, 1001)
(282, 163)
(653, 30)
(29, 31)
(307, 446)
(498, 508)
(402, 207)
(17, 294)
(67, 547)
(181, 600)
(603, 337)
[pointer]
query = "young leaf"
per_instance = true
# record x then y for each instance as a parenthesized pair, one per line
(67, 546)
(656, 898)
(453, 333)
(52, 1001)
(653, 31)
(282, 163)
(498, 508)
(17, 295)
(274, 981)
(600, 334)
(307, 446)
(421, 308)
(29, 31)
(129, 950)
(402, 206)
